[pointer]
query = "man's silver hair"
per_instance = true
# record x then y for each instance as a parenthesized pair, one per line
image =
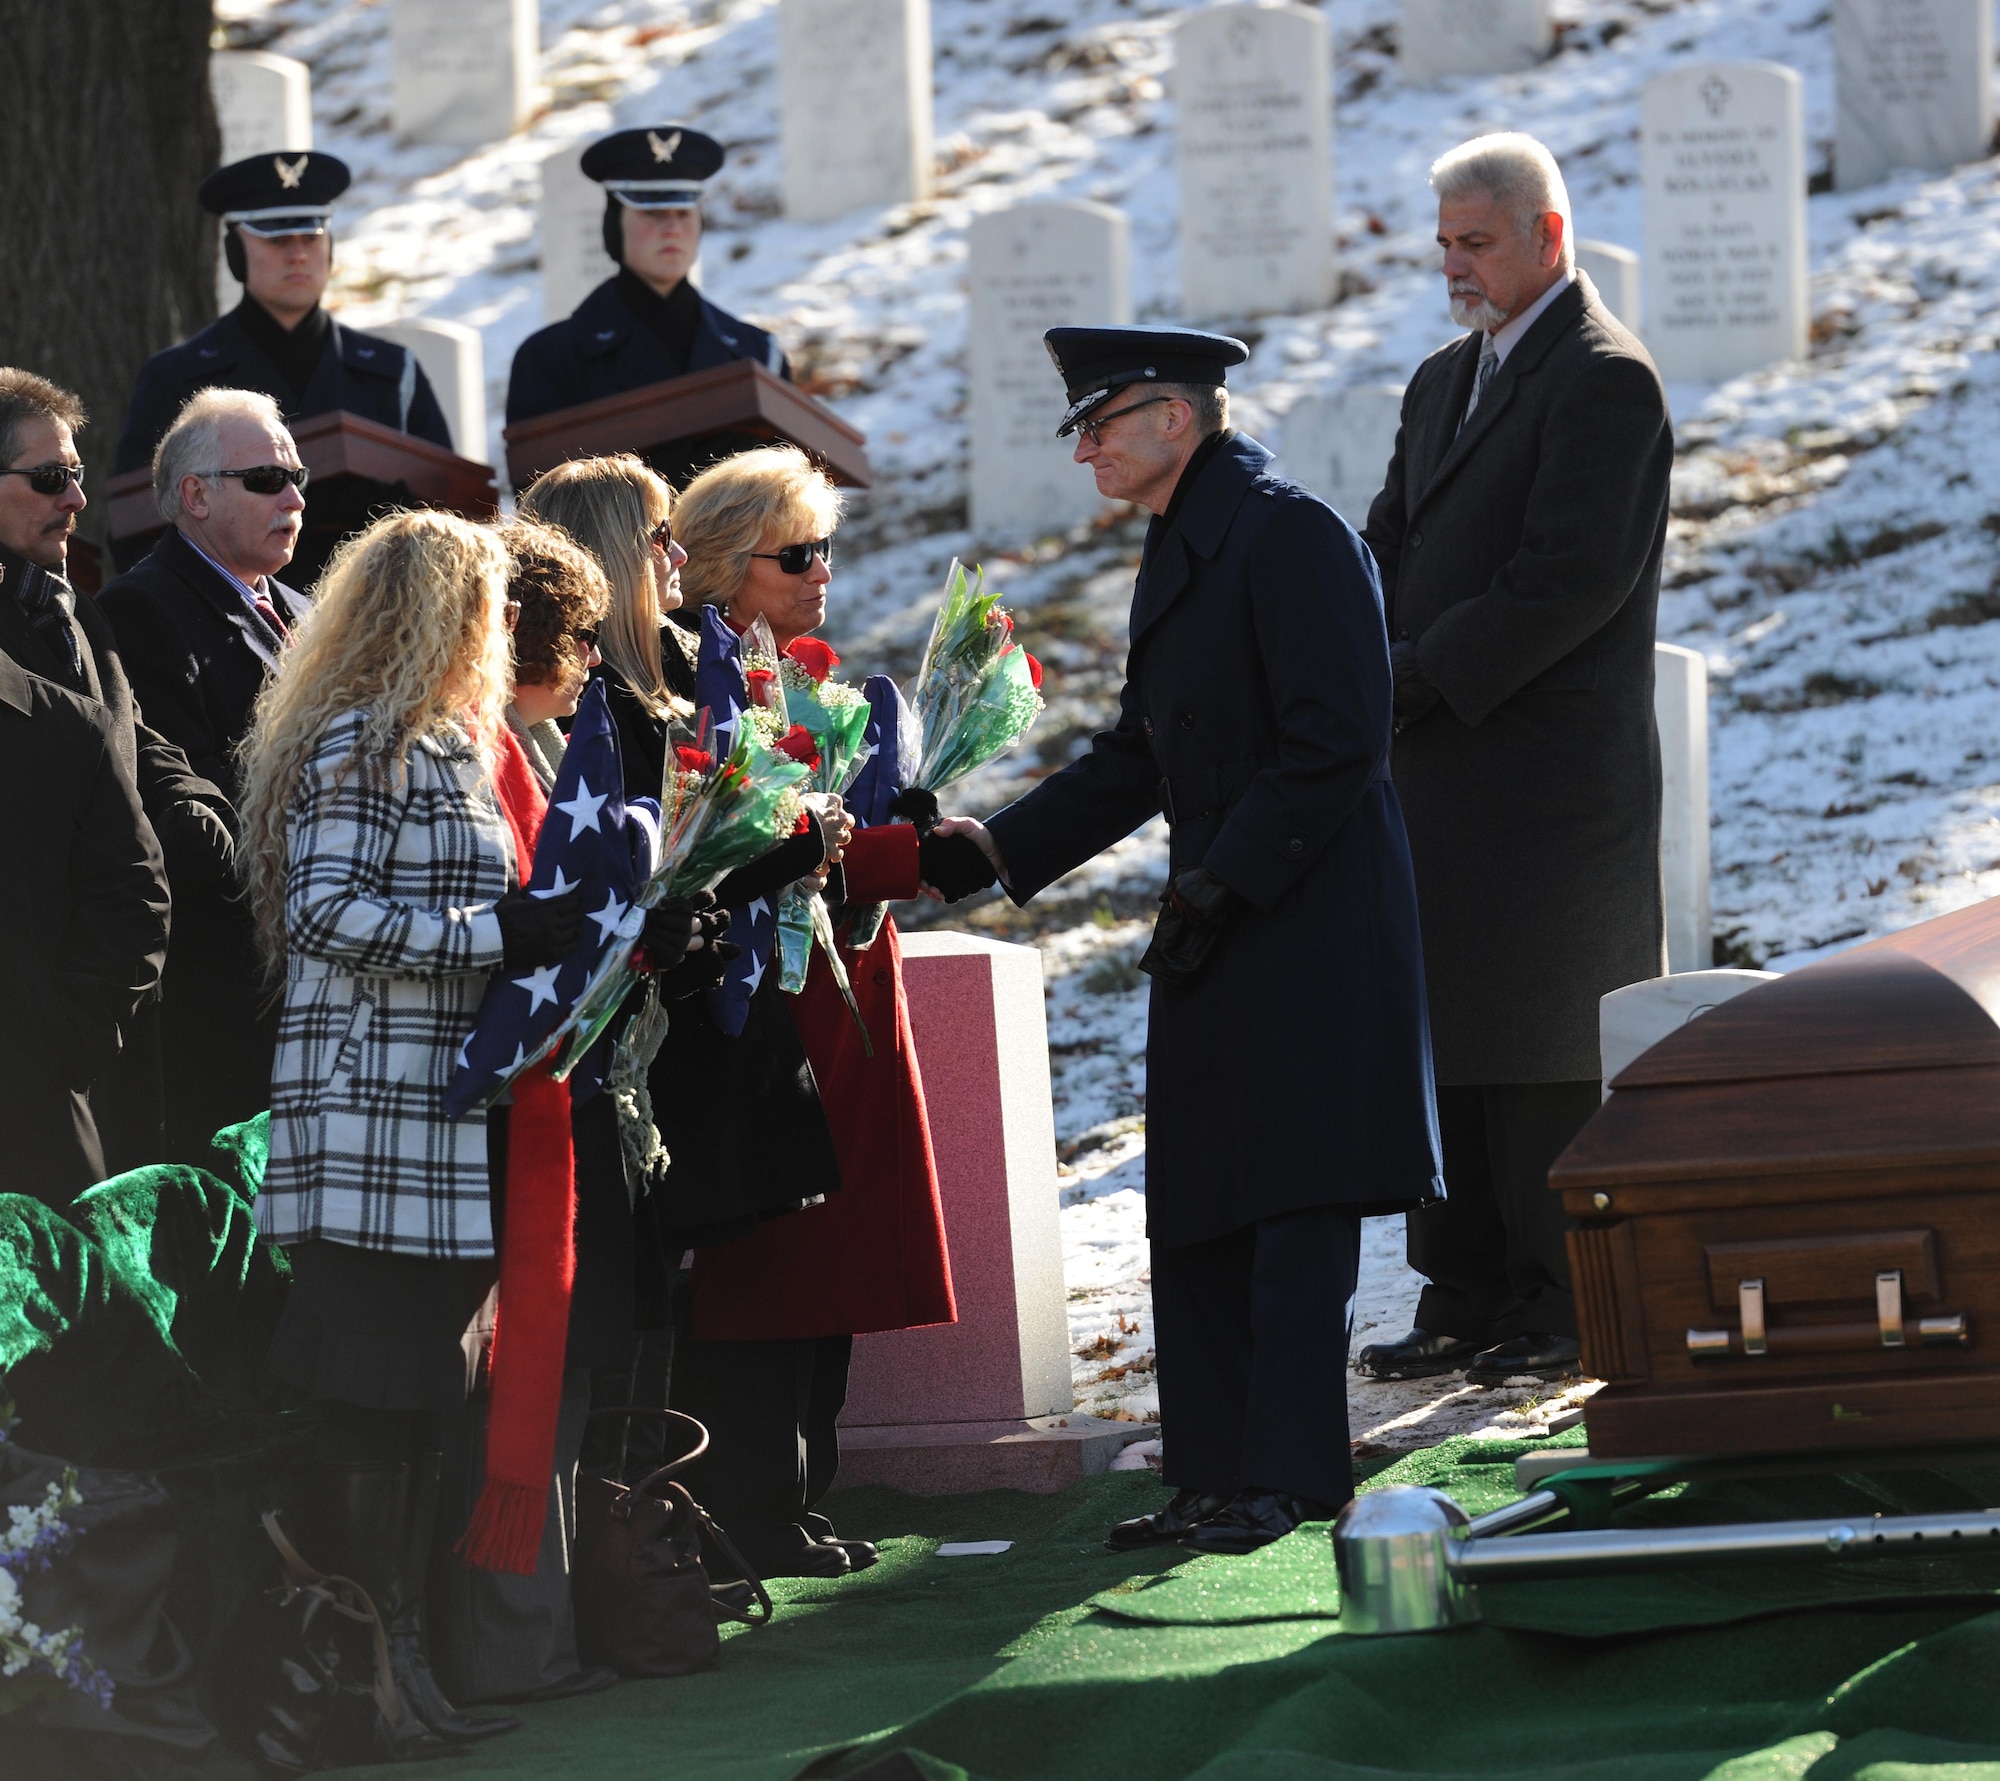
(1515, 170)
(1210, 403)
(195, 437)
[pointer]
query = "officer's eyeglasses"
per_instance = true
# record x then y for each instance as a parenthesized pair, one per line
(266, 479)
(796, 559)
(1093, 429)
(50, 479)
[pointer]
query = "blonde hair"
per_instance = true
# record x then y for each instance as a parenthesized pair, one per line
(728, 511)
(408, 627)
(609, 505)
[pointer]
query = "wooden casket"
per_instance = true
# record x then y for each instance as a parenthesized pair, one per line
(1788, 1234)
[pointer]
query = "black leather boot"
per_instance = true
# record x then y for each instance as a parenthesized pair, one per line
(1187, 1511)
(374, 1523)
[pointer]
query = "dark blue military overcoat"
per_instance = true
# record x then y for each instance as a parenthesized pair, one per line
(358, 373)
(602, 349)
(1295, 1071)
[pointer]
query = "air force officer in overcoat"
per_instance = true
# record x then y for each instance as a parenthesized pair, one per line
(1288, 1060)
(1519, 535)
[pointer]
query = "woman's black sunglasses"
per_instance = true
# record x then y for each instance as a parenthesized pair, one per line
(796, 559)
(662, 535)
(267, 479)
(50, 479)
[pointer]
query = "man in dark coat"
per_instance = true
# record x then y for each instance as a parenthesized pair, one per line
(275, 212)
(83, 908)
(49, 631)
(648, 323)
(200, 623)
(1288, 1065)
(1519, 536)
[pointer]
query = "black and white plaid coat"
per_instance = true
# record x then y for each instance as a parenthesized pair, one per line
(389, 934)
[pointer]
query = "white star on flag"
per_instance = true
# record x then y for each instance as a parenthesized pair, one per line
(540, 985)
(756, 975)
(609, 917)
(727, 727)
(520, 1058)
(582, 809)
(561, 885)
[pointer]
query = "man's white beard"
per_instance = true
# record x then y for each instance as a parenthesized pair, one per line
(1470, 311)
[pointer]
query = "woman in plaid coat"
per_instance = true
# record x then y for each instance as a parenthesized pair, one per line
(382, 878)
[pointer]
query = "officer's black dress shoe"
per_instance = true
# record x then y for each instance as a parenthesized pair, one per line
(1531, 1352)
(1254, 1518)
(1188, 1510)
(1419, 1355)
(860, 1553)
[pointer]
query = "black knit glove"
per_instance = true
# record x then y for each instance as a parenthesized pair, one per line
(700, 971)
(538, 930)
(1414, 694)
(955, 866)
(916, 806)
(674, 926)
(1196, 909)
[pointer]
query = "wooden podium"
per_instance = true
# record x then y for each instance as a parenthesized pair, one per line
(688, 423)
(360, 470)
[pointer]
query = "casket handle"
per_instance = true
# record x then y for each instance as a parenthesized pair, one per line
(1750, 1312)
(1951, 1331)
(1889, 1307)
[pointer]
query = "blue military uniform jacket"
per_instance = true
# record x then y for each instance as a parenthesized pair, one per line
(1295, 1071)
(603, 349)
(359, 373)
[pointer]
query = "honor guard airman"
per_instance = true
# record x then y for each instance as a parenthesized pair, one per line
(276, 213)
(648, 323)
(1288, 1073)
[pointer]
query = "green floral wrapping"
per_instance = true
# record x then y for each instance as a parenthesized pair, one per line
(976, 691)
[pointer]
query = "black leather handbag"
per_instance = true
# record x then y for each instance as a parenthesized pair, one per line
(644, 1604)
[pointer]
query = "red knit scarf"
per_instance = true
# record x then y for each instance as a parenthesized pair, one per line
(537, 1266)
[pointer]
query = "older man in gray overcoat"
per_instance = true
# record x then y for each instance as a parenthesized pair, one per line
(1519, 537)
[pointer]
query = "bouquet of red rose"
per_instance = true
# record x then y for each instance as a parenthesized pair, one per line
(976, 691)
(714, 817)
(803, 713)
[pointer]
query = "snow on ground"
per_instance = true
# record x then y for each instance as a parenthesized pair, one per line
(1835, 549)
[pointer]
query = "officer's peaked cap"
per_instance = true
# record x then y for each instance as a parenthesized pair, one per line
(276, 194)
(662, 167)
(1096, 363)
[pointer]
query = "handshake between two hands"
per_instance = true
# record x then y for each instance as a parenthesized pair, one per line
(956, 858)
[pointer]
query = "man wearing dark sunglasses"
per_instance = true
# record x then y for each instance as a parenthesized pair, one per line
(1288, 1073)
(276, 213)
(202, 621)
(50, 632)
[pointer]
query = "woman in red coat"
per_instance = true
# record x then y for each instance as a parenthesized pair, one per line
(772, 1319)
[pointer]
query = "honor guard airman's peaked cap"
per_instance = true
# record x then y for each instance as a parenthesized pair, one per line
(661, 168)
(286, 194)
(1096, 363)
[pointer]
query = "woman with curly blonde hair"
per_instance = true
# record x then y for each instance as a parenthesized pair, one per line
(385, 878)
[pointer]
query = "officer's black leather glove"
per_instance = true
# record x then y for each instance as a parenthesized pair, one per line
(1195, 910)
(1414, 694)
(955, 866)
(538, 930)
(916, 806)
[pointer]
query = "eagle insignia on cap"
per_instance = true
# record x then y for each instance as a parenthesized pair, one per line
(663, 147)
(290, 172)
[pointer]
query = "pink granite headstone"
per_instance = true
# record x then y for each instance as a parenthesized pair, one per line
(985, 1401)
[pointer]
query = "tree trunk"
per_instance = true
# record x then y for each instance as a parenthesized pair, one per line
(105, 256)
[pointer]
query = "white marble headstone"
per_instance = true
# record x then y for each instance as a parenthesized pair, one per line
(264, 105)
(1615, 272)
(1723, 154)
(1913, 86)
(1680, 706)
(1440, 39)
(574, 262)
(464, 69)
(1254, 154)
(1338, 443)
(1036, 266)
(854, 104)
(1632, 1020)
(454, 359)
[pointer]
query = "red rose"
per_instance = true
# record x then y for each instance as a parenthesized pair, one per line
(758, 683)
(815, 657)
(803, 825)
(1000, 618)
(1034, 671)
(694, 760)
(797, 744)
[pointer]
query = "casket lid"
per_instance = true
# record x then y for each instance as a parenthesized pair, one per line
(1927, 998)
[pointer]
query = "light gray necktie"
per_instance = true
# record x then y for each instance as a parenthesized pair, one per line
(1489, 362)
